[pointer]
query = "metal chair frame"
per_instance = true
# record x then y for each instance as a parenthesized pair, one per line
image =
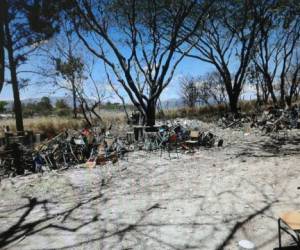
(295, 238)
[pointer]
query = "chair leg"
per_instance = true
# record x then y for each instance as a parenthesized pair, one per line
(161, 149)
(279, 234)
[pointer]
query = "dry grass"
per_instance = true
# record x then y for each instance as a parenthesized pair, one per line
(207, 113)
(46, 125)
(52, 125)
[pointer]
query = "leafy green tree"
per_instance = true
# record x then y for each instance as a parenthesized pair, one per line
(45, 106)
(29, 109)
(62, 108)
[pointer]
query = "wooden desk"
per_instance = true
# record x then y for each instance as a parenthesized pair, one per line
(292, 221)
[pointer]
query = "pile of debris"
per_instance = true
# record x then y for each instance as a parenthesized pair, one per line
(71, 148)
(275, 119)
(179, 135)
(95, 146)
(236, 120)
(271, 120)
(15, 159)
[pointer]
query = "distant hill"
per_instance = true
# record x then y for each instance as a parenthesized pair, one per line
(53, 100)
(166, 104)
(172, 103)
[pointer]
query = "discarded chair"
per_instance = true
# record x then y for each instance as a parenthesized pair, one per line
(130, 137)
(169, 143)
(152, 141)
(193, 142)
(194, 135)
(207, 139)
(291, 221)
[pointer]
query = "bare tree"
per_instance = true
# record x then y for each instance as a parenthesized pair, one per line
(293, 80)
(130, 36)
(64, 64)
(189, 91)
(116, 91)
(208, 89)
(66, 68)
(228, 41)
(279, 32)
(211, 89)
(90, 103)
(256, 78)
(268, 49)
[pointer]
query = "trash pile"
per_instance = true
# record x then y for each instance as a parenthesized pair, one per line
(181, 135)
(235, 120)
(271, 120)
(71, 148)
(95, 146)
(15, 159)
(275, 119)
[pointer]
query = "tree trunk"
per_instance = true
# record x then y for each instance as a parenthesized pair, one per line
(288, 100)
(151, 113)
(74, 100)
(2, 55)
(14, 80)
(233, 96)
(258, 97)
(270, 88)
(233, 103)
(282, 91)
(266, 94)
(85, 116)
(233, 93)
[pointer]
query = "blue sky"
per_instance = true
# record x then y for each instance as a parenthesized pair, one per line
(188, 66)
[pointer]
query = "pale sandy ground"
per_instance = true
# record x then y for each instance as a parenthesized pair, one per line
(208, 200)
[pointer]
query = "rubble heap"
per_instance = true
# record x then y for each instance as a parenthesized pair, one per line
(91, 147)
(271, 120)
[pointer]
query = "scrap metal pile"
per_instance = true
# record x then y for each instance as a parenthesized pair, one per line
(15, 159)
(275, 119)
(91, 147)
(271, 120)
(175, 137)
(73, 147)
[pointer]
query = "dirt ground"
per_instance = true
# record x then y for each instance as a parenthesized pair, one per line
(211, 199)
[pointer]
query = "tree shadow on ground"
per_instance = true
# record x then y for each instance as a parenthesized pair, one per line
(143, 228)
(271, 147)
(240, 224)
(25, 227)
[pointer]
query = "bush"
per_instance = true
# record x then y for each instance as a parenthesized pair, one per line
(63, 112)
